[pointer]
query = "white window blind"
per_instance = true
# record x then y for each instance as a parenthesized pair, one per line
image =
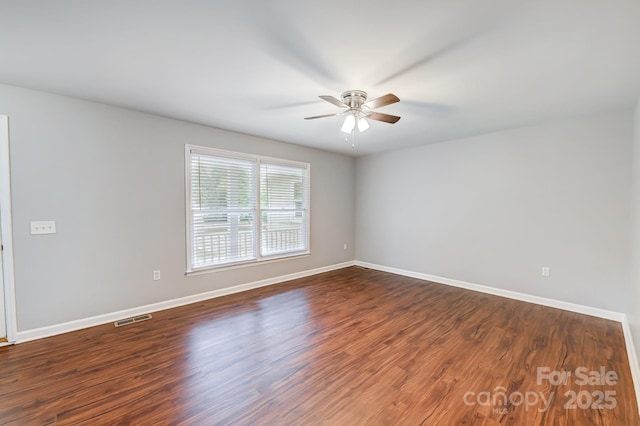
(244, 209)
(223, 209)
(283, 206)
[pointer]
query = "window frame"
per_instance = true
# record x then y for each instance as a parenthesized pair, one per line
(257, 161)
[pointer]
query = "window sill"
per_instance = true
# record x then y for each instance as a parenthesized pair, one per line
(210, 269)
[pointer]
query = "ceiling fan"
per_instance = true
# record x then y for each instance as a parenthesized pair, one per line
(357, 109)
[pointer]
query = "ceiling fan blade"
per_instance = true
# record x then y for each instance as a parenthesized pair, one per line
(334, 101)
(321, 116)
(387, 118)
(385, 100)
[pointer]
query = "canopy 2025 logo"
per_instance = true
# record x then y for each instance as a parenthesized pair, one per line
(584, 399)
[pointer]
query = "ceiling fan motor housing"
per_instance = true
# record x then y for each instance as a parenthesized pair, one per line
(354, 98)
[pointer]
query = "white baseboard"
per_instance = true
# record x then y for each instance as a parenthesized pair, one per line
(52, 330)
(581, 309)
(633, 358)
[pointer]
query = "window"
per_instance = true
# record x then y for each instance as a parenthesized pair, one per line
(244, 209)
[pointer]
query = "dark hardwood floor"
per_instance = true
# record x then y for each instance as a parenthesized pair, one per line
(347, 347)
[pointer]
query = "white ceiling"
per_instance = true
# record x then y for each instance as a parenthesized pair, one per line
(460, 67)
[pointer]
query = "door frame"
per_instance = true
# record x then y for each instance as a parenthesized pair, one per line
(6, 227)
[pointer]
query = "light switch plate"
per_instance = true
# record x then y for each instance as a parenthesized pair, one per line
(43, 227)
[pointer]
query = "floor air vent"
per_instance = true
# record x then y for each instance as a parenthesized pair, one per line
(128, 321)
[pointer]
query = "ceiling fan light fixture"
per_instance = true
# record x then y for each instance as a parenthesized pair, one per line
(349, 123)
(363, 124)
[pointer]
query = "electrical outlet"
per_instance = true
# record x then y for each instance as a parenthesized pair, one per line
(156, 275)
(344, 246)
(546, 271)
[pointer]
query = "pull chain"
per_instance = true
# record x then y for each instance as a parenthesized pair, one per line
(353, 138)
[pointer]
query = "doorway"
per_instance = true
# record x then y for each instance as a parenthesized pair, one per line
(7, 291)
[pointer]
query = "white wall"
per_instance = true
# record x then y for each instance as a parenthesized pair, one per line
(113, 180)
(633, 310)
(494, 209)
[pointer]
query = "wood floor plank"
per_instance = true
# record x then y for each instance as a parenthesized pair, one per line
(347, 347)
